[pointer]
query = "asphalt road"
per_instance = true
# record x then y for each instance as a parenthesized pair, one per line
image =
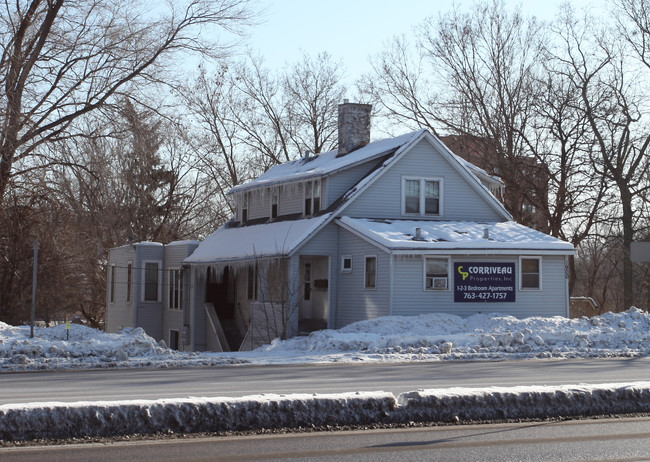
(231, 381)
(592, 440)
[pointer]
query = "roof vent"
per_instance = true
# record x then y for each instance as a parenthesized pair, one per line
(418, 235)
(486, 233)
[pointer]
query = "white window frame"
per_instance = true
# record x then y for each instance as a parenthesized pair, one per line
(521, 273)
(343, 268)
(175, 281)
(365, 272)
(424, 273)
(309, 186)
(422, 181)
(144, 281)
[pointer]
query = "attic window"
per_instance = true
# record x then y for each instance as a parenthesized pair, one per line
(421, 196)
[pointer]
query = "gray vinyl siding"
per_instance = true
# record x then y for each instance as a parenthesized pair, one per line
(410, 298)
(461, 201)
(120, 313)
(149, 314)
(341, 182)
(290, 200)
(174, 319)
(260, 204)
(291, 197)
(199, 323)
(354, 302)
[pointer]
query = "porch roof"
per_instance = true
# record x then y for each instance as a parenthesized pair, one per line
(455, 236)
(275, 239)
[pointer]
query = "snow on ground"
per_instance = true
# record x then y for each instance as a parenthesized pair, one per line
(427, 337)
(191, 415)
(433, 337)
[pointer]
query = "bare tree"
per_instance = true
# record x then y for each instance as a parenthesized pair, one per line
(313, 88)
(482, 85)
(131, 181)
(246, 119)
(212, 103)
(597, 65)
(61, 60)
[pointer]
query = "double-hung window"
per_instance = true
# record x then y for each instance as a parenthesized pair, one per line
(370, 279)
(436, 271)
(312, 197)
(530, 273)
(175, 289)
(151, 287)
(244, 207)
(421, 196)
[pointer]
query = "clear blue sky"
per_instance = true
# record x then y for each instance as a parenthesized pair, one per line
(352, 30)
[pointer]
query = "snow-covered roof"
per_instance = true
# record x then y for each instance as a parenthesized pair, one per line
(326, 163)
(256, 241)
(450, 236)
(184, 242)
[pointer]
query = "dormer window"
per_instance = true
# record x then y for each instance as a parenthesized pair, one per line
(421, 196)
(312, 197)
(275, 201)
(244, 207)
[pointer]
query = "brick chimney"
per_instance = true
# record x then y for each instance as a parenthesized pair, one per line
(354, 126)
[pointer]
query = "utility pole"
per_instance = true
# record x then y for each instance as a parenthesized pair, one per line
(34, 287)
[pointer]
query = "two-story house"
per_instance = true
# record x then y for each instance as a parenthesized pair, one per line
(400, 226)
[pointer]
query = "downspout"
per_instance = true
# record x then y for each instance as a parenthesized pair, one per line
(392, 284)
(329, 290)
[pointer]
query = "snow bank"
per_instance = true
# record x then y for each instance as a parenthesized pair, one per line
(63, 420)
(432, 337)
(89, 348)
(435, 337)
(524, 402)
(103, 419)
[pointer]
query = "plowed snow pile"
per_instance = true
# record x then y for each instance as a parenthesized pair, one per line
(431, 337)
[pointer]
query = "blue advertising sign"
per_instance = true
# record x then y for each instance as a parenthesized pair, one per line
(484, 282)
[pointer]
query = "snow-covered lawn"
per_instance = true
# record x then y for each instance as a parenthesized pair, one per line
(434, 337)
(430, 338)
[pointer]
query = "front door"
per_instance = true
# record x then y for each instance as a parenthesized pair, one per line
(306, 288)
